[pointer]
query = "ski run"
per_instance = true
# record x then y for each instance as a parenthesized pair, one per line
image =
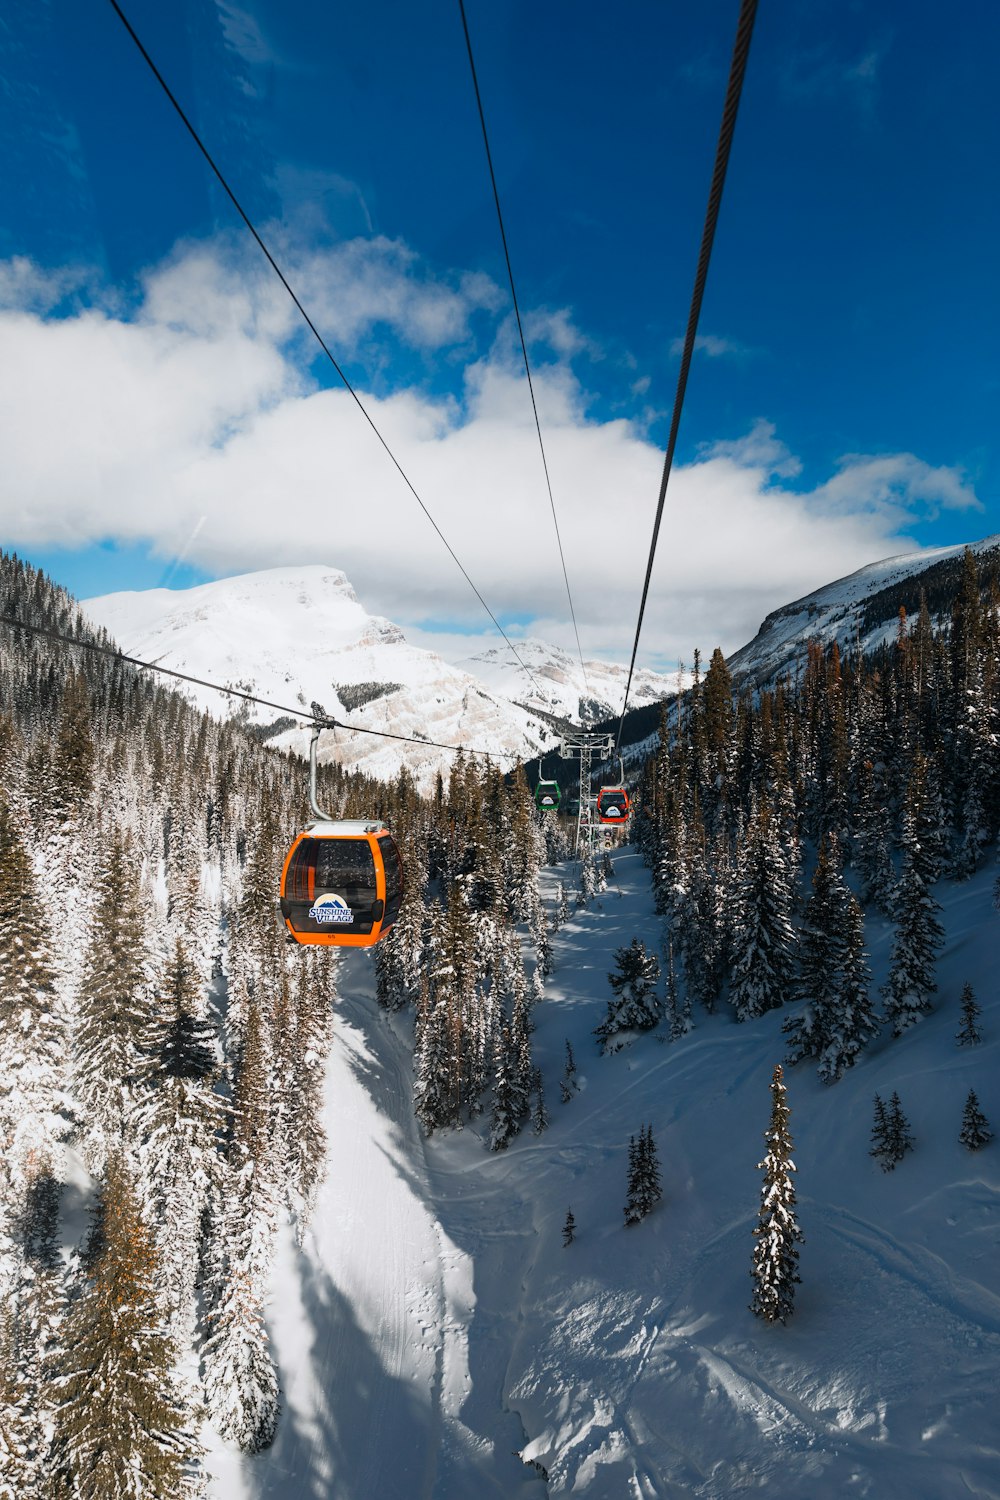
(434, 1327)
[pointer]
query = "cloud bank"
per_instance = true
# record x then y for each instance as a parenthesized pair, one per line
(199, 422)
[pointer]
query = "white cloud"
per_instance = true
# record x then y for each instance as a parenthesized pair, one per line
(759, 449)
(894, 485)
(243, 34)
(820, 72)
(712, 345)
(190, 426)
(31, 288)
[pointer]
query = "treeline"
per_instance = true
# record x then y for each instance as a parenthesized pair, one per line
(455, 954)
(157, 1030)
(878, 774)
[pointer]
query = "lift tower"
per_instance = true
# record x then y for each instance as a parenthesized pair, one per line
(586, 746)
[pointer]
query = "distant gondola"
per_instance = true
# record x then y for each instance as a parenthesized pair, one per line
(547, 796)
(547, 793)
(612, 804)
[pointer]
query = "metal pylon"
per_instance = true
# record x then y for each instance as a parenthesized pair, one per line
(586, 746)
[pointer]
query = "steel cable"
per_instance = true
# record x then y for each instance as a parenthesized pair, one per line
(741, 51)
(520, 334)
(324, 721)
(311, 325)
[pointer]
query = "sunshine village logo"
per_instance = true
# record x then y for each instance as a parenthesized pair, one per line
(331, 909)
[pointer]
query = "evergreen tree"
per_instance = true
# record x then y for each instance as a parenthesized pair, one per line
(763, 941)
(837, 1019)
(34, 1109)
(505, 1117)
(120, 1424)
(872, 839)
(891, 1135)
(777, 1235)
(975, 1130)
(541, 942)
(439, 1053)
(73, 753)
(643, 1188)
(968, 1034)
(880, 1136)
(241, 1387)
(303, 1143)
(678, 1012)
(29, 1333)
(919, 935)
(588, 878)
(431, 1094)
(21, 1476)
(569, 1228)
(179, 1120)
(540, 1117)
(399, 957)
(636, 1006)
(115, 1011)
(852, 1023)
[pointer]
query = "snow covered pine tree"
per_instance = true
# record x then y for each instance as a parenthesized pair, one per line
(636, 1006)
(643, 1188)
(775, 1255)
(968, 1034)
(975, 1130)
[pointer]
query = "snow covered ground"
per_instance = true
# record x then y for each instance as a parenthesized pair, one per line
(433, 1323)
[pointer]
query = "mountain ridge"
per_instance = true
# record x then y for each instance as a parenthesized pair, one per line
(301, 635)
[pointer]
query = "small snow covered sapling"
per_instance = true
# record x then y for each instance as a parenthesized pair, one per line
(975, 1130)
(968, 1034)
(540, 1116)
(568, 1084)
(569, 1228)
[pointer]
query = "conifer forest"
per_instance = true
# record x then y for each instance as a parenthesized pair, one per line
(163, 1048)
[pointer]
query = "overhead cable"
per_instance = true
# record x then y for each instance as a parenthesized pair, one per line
(520, 334)
(741, 51)
(311, 325)
(324, 721)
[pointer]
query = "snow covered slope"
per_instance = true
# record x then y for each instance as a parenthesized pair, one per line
(861, 608)
(295, 635)
(434, 1324)
(560, 686)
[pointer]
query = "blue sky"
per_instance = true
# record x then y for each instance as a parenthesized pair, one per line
(168, 423)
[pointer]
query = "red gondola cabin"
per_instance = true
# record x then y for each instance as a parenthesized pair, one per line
(612, 804)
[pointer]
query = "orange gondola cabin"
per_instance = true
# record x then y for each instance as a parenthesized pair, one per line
(342, 884)
(612, 804)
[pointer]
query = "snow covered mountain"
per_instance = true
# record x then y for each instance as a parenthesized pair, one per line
(559, 686)
(861, 609)
(298, 635)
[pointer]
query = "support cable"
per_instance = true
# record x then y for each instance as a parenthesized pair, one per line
(520, 334)
(322, 721)
(311, 325)
(741, 50)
